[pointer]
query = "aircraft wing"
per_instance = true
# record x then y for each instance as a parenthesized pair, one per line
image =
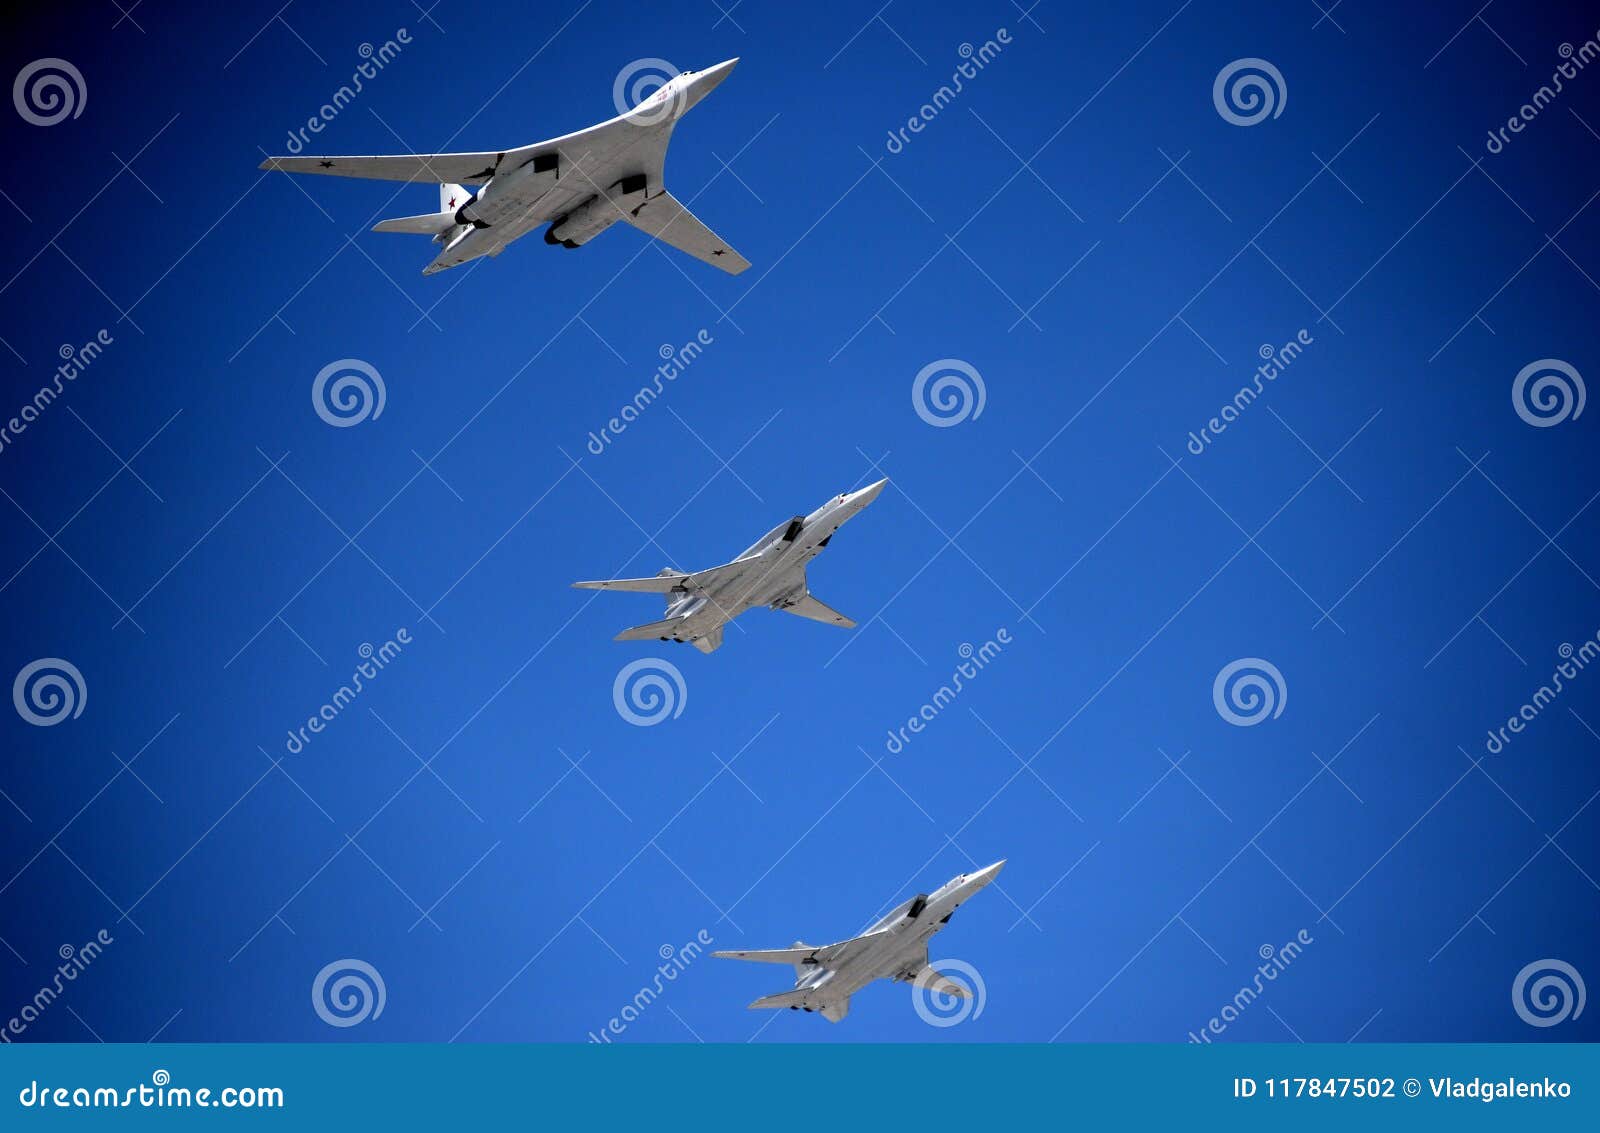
(828, 955)
(665, 218)
(809, 607)
(665, 583)
(770, 955)
(661, 584)
(444, 168)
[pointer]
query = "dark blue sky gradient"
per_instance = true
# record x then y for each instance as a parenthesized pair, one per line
(1125, 582)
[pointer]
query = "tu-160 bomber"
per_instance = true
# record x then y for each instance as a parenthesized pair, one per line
(579, 184)
(895, 948)
(771, 572)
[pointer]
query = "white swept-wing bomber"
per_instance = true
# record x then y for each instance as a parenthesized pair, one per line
(895, 948)
(771, 572)
(578, 185)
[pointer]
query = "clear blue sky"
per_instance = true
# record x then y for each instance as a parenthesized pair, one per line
(1080, 226)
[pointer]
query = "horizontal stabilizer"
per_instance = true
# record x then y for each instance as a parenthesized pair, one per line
(930, 979)
(809, 607)
(428, 224)
(710, 642)
(782, 999)
(650, 631)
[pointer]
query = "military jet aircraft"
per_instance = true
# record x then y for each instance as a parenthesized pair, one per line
(579, 184)
(896, 948)
(771, 572)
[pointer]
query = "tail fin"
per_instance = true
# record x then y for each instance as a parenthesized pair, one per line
(710, 642)
(435, 224)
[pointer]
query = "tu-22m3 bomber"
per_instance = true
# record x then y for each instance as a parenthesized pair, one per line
(895, 948)
(579, 184)
(771, 572)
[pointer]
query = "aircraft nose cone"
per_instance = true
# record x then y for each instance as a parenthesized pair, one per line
(987, 873)
(866, 495)
(711, 76)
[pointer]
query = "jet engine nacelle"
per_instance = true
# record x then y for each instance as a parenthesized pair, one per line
(583, 223)
(599, 212)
